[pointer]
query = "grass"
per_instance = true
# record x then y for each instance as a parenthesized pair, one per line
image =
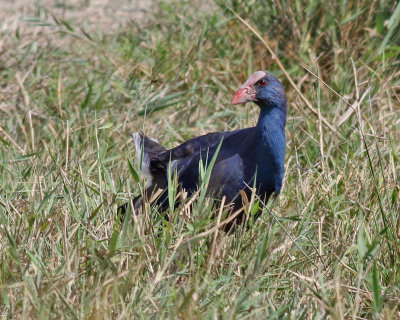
(72, 92)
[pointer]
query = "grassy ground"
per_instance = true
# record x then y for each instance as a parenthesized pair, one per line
(73, 88)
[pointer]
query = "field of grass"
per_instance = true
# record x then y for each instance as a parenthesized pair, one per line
(74, 87)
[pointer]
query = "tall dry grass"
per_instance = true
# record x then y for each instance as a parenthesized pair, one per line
(73, 89)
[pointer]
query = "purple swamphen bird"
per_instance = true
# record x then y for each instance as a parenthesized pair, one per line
(247, 158)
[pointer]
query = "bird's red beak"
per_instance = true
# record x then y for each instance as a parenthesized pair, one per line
(246, 92)
(244, 95)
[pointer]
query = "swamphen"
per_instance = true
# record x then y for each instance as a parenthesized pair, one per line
(247, 158)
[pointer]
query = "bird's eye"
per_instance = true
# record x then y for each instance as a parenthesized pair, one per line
(263, 83)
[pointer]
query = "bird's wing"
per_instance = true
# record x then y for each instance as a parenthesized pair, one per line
(187, 149)
(229, 174)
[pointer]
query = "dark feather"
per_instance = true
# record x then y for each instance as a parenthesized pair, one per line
(247, 158)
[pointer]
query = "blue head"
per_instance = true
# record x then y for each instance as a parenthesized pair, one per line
(264, 89)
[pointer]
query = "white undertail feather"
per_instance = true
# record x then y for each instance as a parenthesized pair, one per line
(142, 155)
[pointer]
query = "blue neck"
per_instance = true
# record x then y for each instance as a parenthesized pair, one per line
(272, 143)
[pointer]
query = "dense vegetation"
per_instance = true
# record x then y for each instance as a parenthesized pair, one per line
(70, 95)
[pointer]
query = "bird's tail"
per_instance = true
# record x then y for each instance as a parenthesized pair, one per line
(146, 150)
